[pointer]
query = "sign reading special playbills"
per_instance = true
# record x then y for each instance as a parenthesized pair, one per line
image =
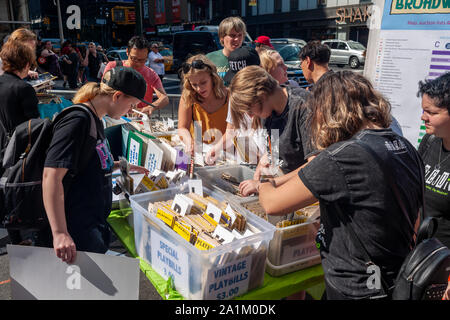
(409, 41)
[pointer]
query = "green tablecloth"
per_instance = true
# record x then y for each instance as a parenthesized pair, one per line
(273, 288)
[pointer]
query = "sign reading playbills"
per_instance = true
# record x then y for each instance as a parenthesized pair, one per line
(37, 274)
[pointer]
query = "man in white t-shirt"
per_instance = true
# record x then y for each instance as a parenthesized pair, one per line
(156, 60)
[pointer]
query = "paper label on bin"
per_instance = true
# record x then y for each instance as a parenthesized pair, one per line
(298, 252)
(168, 260)
(195, 186)
(229, 280)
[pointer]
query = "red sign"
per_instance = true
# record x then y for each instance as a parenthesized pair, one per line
(131, 16)
(160, 14)
(176, 15)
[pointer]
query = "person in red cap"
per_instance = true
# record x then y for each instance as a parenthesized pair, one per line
(262, 42)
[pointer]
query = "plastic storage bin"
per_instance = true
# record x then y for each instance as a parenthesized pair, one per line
(292, 248)
(211, 177)
(223, 272)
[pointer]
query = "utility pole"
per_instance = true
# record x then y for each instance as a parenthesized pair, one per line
(139, 25)
(61, 33)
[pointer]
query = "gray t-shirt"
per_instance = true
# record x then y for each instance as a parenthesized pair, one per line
(346, 175)
(294, 143)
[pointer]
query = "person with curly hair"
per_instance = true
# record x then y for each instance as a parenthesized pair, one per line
(352, 189)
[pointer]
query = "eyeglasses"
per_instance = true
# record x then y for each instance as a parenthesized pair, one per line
(196, 64)
(136, 59)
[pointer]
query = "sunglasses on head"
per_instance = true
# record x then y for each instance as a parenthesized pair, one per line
(196, 64)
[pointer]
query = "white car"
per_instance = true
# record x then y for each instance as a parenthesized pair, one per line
(345, 52)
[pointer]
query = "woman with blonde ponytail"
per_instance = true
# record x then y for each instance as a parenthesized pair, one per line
(77, 186)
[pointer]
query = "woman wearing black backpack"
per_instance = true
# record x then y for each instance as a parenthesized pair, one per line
(18, 101)
(77, 185)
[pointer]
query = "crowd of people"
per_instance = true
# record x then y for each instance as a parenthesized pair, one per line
(310, 149)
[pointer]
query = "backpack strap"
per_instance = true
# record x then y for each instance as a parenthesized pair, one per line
(93, 127)
(92, 131)
(119, 63)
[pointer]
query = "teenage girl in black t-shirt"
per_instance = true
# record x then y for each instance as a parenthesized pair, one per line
(77, 195)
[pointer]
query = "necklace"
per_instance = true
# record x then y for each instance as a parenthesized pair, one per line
(95, 110)
(438, 165)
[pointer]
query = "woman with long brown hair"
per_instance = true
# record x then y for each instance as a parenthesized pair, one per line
(352, 189)
(204, 100)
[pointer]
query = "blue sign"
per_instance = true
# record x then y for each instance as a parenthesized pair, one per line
(416, 15)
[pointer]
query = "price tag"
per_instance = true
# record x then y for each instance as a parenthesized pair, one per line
(195, 186)
(180, 205)
(229, 280)
(214, 212)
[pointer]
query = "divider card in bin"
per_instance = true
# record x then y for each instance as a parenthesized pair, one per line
(205, 263)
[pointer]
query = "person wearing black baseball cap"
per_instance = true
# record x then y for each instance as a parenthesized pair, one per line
(77, 185)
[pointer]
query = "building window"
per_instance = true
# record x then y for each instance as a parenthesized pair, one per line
(321, 3)
(277, 6)
(294, 5)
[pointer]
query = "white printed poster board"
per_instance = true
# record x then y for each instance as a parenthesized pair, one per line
(408, 42)
(38, 274)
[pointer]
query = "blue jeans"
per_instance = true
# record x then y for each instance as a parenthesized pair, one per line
(94, 240)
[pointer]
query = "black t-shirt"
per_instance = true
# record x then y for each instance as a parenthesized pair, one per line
(345, 174)
(18, 101)
(94, 63)
(437, 184)
(294, 142)
(73, 68)
(87, 185)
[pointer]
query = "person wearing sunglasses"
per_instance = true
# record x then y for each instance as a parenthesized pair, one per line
(204, 100)
(137, 52)
(231, 34)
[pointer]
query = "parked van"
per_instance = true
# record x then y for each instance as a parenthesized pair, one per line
(346, 52)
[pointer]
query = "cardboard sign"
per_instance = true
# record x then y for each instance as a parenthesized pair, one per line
(38, 274)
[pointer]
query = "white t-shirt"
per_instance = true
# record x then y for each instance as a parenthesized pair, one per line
(157, 67)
